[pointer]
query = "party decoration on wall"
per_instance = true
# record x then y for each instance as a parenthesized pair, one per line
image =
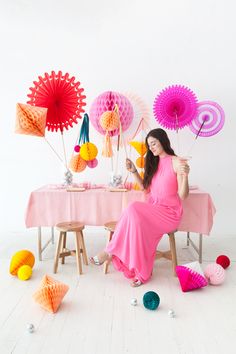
(151, 300)
(141, 112)
(20, 258)
(223, 260)
(109, 121)
(77, 164)
(175, 107)
(30, 120)
(62, 96)
(191, 276)
(24, 272)
(214, 273)
(106, 102)
(64, 99)
(50, 293)
(209, 119)
(87, 151)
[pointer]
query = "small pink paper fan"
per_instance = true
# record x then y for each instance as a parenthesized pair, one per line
(175, 107)
(189, 279)
(209, 120)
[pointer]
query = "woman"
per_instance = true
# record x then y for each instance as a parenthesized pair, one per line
(142, 225)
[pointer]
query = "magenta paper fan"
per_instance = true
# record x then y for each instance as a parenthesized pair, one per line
(175, 107)
(189, 279)
(106, 102)
(62, 96)
(209, 120)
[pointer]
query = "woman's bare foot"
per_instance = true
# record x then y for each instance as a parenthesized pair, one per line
(100, 258)
(136, 282)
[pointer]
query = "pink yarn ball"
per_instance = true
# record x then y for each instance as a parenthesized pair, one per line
(215, 274)
(77, 148)
(106, 102)
(92, 163)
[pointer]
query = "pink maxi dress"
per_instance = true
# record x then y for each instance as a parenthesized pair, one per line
(142, 225)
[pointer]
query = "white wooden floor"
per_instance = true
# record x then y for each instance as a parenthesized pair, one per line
(96, 316)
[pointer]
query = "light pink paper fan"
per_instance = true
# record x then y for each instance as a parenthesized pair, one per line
(190, 279)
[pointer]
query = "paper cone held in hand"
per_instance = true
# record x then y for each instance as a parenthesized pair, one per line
(30, 120)
(50, 294)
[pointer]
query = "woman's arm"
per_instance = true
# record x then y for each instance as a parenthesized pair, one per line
(182, 170)
(131, 168)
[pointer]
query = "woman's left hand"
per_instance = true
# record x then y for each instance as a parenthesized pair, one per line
(183, 167)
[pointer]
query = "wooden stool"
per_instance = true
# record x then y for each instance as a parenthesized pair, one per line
(62, 251)
(171, 254)
(109, 226)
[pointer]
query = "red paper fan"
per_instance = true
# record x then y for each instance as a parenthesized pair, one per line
(62, 96)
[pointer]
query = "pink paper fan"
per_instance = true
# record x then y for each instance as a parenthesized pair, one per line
(175, 107)
(209, 120)
(189, 279)
(106, 102)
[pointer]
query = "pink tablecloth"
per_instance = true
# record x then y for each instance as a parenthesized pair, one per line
(48, 206)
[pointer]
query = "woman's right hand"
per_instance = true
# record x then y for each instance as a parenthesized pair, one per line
(130, 166)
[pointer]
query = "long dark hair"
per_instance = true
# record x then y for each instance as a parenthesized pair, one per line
(151, 161)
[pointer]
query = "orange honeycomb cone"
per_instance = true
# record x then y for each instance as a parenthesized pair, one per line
(50, 293)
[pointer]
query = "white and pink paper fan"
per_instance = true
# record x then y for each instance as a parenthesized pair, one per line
(191, 276)
(175, 107)
(209, 120)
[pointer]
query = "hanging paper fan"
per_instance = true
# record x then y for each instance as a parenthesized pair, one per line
(141, 111)
(191, 276)
(209, 120)
(106, 102)
(175, 107)
(62, 96)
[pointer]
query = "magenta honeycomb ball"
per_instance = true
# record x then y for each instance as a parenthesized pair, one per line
(106, 102)
(77, 148)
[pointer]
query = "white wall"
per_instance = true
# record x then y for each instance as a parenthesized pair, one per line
(125, 45)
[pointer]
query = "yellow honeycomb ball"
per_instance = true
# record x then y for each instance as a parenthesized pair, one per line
(88, 151)
(24, 272)
(20, 258)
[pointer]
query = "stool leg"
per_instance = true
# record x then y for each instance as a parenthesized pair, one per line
(58, 250)
(106, 264)
(173, 251)
(84, 253)
(77, 246)
(63, 247)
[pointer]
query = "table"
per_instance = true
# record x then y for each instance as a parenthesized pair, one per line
(50, 205)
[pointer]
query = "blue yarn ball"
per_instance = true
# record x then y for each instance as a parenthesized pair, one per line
(151, 300)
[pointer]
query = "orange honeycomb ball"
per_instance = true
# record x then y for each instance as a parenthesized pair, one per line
(109, 120)
(77, 164)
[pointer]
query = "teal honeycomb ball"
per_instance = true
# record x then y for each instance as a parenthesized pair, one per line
(151, 300)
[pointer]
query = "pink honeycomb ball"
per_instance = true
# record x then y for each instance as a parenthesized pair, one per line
(215, 274)
(77, 148)
(106, 102)
(92, 163)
